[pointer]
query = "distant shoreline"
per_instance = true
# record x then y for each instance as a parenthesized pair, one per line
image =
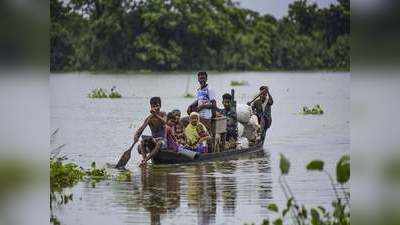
(148, 72)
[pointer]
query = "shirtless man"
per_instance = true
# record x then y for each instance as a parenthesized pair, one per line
(156, 121)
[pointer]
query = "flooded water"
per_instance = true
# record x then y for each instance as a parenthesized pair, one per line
(227, 192)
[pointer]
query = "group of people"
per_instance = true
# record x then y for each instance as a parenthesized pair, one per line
(170, 131)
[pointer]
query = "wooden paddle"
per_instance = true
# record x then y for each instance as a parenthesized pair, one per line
(126, 156)
(249, 103)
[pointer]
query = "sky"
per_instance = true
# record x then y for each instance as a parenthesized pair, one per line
(278, 8)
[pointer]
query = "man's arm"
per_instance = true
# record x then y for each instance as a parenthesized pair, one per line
(140, 130)
(270, 100)
(192, 107)
(211, 105)
(254, 107)
(154, 151)
(204, 138)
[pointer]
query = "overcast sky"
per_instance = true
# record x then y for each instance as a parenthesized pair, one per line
(277, 8)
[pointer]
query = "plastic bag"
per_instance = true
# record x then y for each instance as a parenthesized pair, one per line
(243, 113)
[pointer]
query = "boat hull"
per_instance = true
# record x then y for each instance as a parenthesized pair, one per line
(172, 157)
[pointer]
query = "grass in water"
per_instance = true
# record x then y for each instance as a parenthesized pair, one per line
(239, 83)
(114, 94)
(98, 93)
(64, 175)
(101, 93)
(188, 95)
(316, 110)
(124, 176)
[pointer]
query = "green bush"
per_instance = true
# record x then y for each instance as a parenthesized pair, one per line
(219, 35)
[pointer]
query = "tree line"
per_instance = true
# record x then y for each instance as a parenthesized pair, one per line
(169, 35)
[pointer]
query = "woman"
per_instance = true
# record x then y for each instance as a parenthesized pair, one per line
(196, 134)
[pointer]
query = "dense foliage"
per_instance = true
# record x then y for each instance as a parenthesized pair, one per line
(167, 35)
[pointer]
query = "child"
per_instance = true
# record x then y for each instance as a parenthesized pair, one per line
(172, 142)
(180, 135)
(230, 114)
(177, 114)
(196, 133)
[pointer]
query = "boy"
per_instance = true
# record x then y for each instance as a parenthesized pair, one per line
(230, 114)
(156, 121)
(196, 133)
(262, 108)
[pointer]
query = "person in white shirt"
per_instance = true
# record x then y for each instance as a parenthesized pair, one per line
(205, 104)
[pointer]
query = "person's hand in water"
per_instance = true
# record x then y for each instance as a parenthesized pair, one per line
(142, 163)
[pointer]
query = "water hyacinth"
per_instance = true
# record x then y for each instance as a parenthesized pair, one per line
(239, 83)
(316, 110)
(64, 175)
(101, 93)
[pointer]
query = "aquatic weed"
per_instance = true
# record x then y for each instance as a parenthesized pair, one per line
(64, 175)
(188, 95)
(125, 176)
(97, 93)
(316, 110)
(239, 83)
(340, 214)
(101, 93)
(96, 174)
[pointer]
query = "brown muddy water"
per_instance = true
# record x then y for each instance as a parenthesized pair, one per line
(227, 192)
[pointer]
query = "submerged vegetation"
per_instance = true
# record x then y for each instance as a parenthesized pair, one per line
(239, 83)
(101, 93)
(97, 93)
(188, 95)
(114, 94)
(64, 175)
(315, 110)
(208, 35)
(124, 176)
(294, 213)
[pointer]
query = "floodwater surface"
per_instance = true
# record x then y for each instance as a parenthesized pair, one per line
(226, 192)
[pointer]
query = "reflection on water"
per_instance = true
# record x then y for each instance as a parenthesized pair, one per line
(229, 192)
(192, 194)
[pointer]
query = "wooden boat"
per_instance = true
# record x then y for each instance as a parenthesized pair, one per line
(173, 157)
(217, 144)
